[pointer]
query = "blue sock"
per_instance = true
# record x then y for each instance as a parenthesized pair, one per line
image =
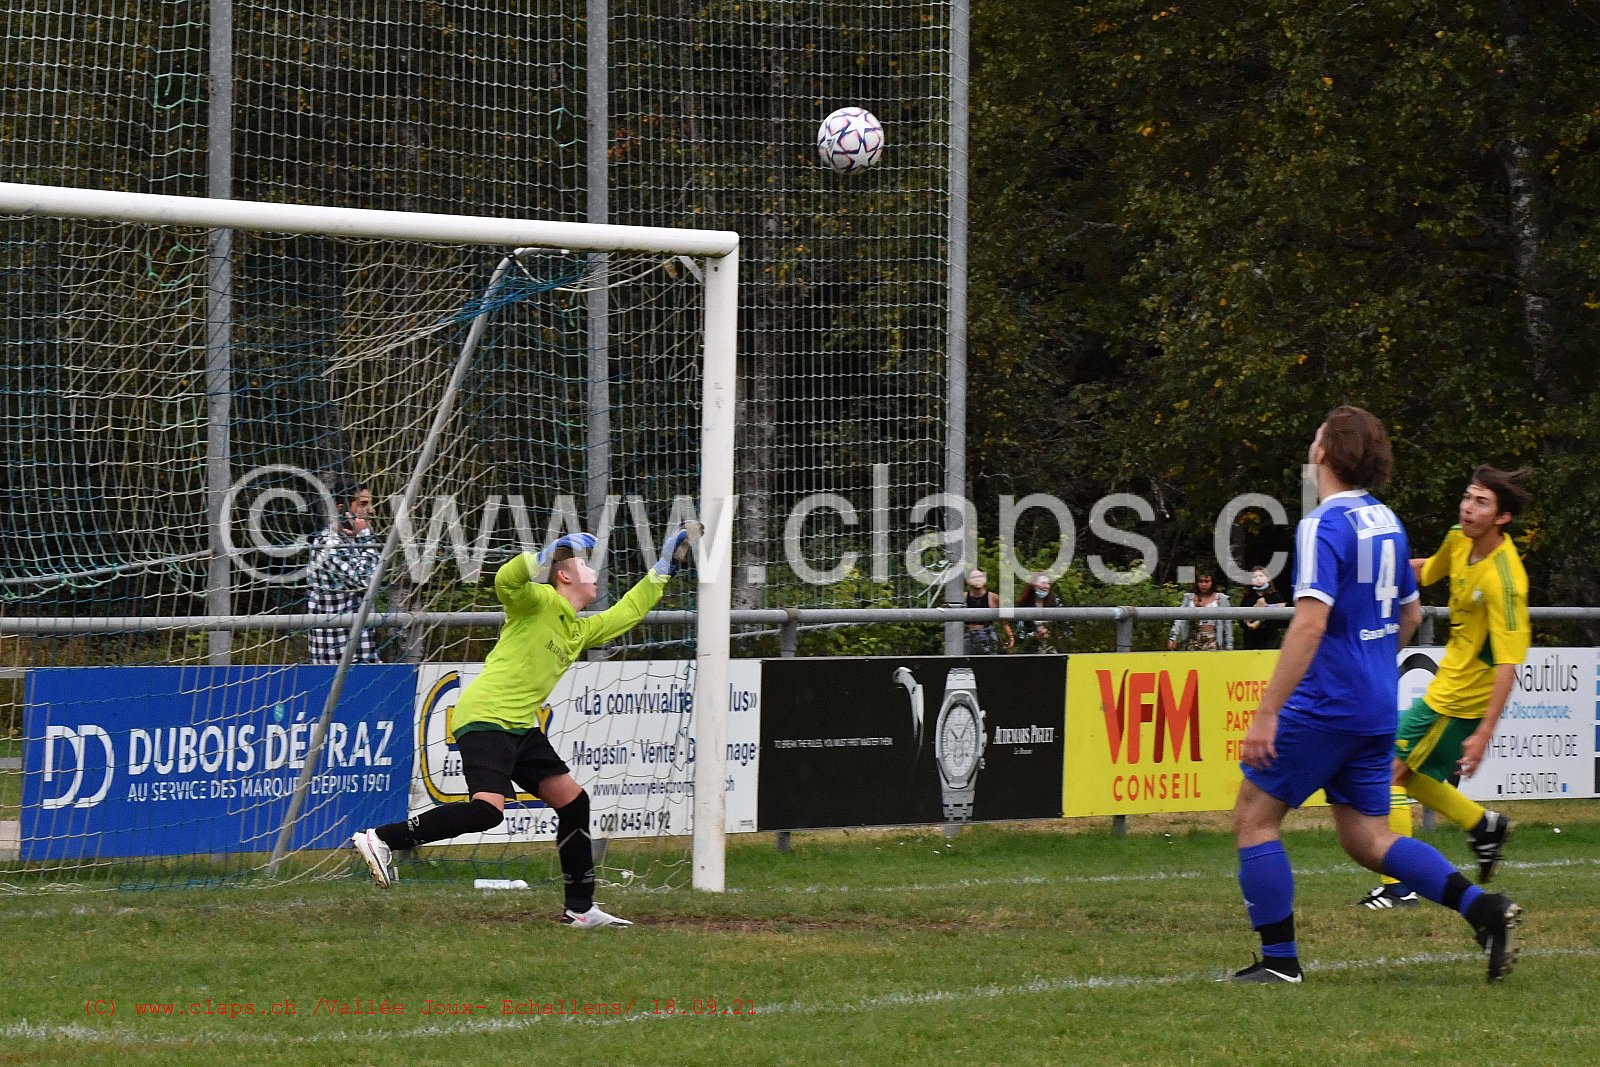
(1268, 886)
(1423, 868)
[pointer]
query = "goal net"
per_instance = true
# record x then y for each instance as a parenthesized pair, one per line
(222, 665)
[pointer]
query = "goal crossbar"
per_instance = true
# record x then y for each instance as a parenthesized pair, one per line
(206, 213)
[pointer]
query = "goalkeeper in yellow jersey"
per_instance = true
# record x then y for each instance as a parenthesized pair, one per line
(1448, 729)
(496, 720)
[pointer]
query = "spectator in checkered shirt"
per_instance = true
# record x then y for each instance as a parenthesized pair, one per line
(343, 557)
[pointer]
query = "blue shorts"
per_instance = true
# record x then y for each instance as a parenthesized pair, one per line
(1352, 769)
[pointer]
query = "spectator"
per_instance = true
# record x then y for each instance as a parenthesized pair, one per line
(1262, 633)
(1038, 635)
(343, 557)
(982, 638)
(1202, 635)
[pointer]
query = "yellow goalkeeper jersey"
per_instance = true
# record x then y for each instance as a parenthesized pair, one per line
(541, 637)
(1488, 622)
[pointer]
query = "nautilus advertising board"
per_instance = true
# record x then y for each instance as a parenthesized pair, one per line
(892, 741)
(1544, 745)
(627, 731)
(176, 761)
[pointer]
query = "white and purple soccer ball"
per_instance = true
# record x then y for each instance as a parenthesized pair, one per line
(850, 139)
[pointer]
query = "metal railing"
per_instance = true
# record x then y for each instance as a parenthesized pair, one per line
(788, 621)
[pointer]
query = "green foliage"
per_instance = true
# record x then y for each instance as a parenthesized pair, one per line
(887, 639)
(1241, 217)
(1074, 584)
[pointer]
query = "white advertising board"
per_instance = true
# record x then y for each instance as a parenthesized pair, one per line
(1544, 744)
(625, 728)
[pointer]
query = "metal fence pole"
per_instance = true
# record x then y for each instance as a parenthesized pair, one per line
(955, 430)
(219, 330)
(788, 645)
(597, 302)
(789, 634)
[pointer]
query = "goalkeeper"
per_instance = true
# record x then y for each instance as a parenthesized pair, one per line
(496, 719)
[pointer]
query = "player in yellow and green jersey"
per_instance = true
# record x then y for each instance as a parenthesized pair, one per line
(1448, 729)
(496, 720)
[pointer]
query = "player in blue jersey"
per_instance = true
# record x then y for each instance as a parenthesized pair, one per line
(1327, 719)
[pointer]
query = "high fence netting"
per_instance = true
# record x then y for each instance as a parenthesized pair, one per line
(697, 115)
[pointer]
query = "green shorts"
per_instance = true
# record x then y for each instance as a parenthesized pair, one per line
(1430, 743)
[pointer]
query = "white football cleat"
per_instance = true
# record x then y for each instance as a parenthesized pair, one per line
(377, 855)
(591, 919)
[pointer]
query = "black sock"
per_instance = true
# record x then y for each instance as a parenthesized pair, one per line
(1482, 907)
(1278, 933)
(437, 824)
(576, 852)
(1455, 887)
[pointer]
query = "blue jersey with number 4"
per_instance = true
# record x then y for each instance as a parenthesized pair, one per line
(1352, 553)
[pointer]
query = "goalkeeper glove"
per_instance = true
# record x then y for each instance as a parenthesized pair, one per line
(677, 549)
(565, 547)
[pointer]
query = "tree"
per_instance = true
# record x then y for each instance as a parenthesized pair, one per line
(1243, 218)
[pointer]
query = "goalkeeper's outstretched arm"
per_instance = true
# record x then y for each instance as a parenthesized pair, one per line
(646, 593)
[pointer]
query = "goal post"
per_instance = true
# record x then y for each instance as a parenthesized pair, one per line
(714, 628)
(661, 247)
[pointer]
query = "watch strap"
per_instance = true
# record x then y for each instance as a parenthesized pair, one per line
(958, 804)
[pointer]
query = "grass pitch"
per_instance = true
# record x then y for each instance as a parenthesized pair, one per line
(1046, 943)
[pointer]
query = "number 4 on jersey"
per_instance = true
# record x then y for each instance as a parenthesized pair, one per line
(1386, 589)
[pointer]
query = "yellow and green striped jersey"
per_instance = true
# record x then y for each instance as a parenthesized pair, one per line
(1488, 622)
(541, 638)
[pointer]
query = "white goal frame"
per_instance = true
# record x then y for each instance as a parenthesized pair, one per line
(719, 249)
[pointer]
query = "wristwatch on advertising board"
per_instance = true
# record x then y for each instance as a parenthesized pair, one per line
(958, 743)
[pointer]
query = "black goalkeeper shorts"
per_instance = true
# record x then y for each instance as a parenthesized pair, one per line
(494, 761)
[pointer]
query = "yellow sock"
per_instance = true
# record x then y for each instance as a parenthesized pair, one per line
(1399, 819)
(1445, 799)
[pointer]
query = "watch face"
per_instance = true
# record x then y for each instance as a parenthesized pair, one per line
(958, 741)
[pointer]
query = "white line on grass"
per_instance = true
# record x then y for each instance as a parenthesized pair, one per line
(1108, 879)
(1065, 985)
(79, 907)
(24, 1030)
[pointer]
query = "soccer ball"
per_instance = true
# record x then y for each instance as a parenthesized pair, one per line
(850, 139)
